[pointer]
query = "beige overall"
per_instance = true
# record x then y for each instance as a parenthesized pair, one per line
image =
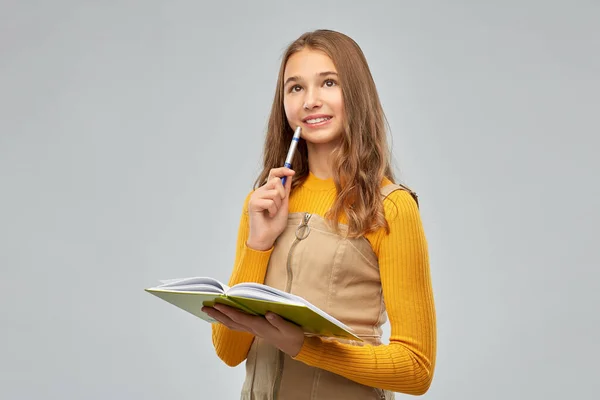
(341, 277)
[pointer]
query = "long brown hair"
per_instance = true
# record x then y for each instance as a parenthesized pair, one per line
(362, 158)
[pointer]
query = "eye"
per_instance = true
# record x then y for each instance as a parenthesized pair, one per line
(329, 82)
(295, 88)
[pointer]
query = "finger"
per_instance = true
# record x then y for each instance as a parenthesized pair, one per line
(265, 204)
(256, 324)
(225, 309)
(280, 172)
(219, 316)
(280, 324)
(272, 210)
(271, 191)
(235, 315)
(225, 320)
(275, 195)
(280, 189)
(274, 183)
(288, 187)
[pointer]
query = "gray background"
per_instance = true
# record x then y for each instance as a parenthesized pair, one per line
(130, 133)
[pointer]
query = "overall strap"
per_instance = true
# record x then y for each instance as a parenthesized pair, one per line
(386, 190)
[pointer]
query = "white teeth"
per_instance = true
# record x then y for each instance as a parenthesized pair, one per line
(317, 120)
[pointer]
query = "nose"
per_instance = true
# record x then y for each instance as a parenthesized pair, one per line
(312, 100)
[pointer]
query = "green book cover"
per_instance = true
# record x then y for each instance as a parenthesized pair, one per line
(191, 294)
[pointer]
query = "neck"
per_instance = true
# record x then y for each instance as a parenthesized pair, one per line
(319, 159)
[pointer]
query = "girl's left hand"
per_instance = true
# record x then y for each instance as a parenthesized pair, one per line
(282, 334)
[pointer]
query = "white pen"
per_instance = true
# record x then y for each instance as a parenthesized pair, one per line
(291, 151)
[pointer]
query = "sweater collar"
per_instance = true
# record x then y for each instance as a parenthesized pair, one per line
(314, 183)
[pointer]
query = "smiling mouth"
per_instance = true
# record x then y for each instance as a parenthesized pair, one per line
(317, 120)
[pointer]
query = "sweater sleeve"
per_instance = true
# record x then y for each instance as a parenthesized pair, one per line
(407, 363)
(249, 266)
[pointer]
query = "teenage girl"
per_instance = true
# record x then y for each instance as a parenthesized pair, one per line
(340, 233)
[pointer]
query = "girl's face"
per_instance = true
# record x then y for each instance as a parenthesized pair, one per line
(312, 97)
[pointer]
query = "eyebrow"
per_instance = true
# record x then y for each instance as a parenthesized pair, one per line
(297, 78)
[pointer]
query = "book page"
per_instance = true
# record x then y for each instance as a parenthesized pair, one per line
(252, 287)
(260, 294)
(200, 288)
(195, 284)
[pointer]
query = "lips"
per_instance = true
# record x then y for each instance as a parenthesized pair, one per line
(316, 118)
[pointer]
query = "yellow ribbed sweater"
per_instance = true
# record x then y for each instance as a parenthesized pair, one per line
(404, 365)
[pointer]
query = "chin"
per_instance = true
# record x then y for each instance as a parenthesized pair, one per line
(320, 137)
(322, 140)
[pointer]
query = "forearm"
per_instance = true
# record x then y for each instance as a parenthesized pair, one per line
(398, 367)
(232, 346)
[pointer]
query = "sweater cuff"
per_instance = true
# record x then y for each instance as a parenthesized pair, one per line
(311, 351)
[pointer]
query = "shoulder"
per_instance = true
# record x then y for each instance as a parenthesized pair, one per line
(401, 212)
(399, 202)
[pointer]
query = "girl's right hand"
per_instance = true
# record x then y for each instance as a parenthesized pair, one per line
(268, 209)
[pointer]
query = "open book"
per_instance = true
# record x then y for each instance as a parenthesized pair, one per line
(190, 294)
